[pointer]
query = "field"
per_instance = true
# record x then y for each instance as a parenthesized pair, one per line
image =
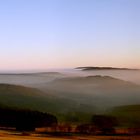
(5, 135)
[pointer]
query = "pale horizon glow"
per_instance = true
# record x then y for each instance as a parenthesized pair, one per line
(45, 34)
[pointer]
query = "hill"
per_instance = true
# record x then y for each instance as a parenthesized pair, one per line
(102, 91)
(127, 115)
(103, 68)
(72, 96)
(21, 97)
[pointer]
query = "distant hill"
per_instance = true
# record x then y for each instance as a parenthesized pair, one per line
(103, 68)
(35, 73)
(29, 79)
(102, 91)
(72, 95)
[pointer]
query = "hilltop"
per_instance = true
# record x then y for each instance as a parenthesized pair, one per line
(103, 68)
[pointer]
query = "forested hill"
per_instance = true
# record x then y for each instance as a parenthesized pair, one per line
(30, 98)
(24, 120)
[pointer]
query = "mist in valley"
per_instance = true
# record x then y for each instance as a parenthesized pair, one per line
(99, 88)
(36, 77)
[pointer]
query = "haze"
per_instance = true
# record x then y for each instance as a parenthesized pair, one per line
(37, 78)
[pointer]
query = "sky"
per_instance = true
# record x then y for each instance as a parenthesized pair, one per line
(42, 34)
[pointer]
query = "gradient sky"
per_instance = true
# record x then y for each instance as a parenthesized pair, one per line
(41, 34)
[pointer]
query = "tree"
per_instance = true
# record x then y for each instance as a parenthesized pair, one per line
(25, 120)
(105, 124)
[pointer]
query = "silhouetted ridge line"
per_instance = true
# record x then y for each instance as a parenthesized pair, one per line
(103, 68)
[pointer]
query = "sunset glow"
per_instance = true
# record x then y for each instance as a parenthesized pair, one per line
(69, 33)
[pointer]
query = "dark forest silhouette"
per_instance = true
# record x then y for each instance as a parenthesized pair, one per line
(25, 120)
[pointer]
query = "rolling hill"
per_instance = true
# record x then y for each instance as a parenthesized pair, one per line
(102, 91)
(72, 95)
(21, 97)
(127, 115)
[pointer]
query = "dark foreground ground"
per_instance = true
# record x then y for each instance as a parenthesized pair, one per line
(7, 135)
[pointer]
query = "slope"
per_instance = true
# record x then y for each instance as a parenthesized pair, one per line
(102, 91)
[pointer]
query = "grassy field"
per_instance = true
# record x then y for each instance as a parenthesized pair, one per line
(5, 135)
(68, 138)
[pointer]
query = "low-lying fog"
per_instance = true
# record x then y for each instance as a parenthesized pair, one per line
(127, 75)
(75, 85)
(30, 79)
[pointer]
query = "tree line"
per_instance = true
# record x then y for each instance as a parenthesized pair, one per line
(28, 120)
(25, 120)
